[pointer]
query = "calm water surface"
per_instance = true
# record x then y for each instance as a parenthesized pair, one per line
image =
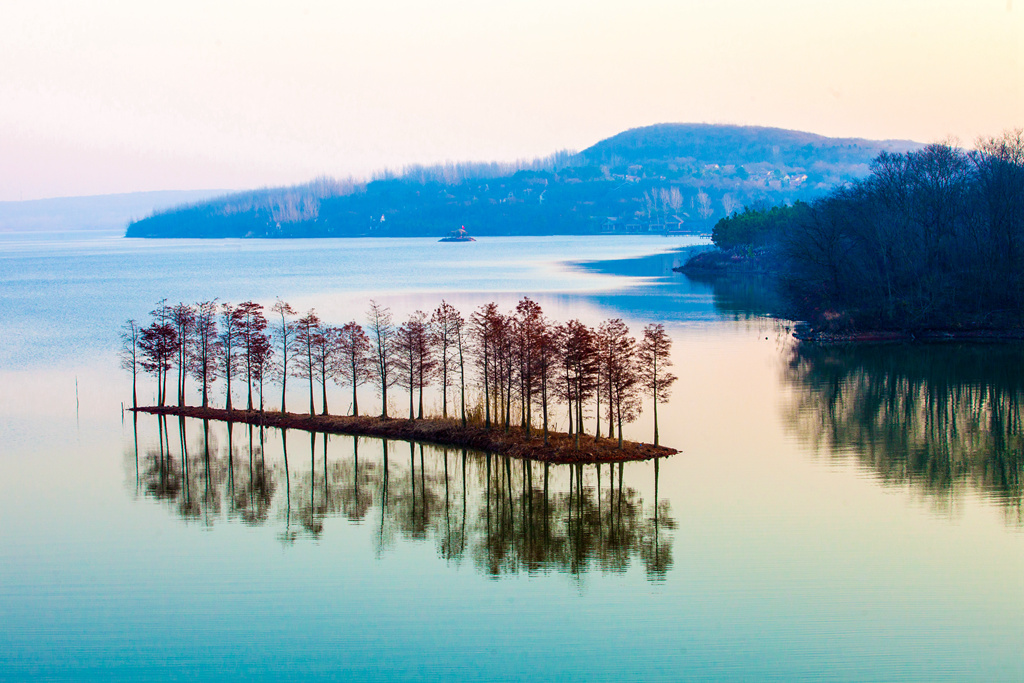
(845, 514)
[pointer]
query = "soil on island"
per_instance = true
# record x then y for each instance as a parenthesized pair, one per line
(561, 447)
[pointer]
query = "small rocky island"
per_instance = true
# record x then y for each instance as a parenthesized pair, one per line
(459, 235)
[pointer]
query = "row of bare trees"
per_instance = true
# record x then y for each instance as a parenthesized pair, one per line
(521, 363)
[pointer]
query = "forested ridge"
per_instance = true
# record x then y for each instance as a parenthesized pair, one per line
(663, 178)
(932, 239)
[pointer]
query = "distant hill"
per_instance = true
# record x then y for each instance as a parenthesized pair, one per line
(736, 145)
(96, 212)
(662, 178)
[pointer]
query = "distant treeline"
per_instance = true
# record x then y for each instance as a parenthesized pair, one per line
(665, 178)
(931, 239)
(521, 362)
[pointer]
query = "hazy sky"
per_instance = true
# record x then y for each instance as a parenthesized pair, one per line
(119, 96)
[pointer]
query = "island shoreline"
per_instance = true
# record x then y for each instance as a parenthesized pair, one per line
(445, 432)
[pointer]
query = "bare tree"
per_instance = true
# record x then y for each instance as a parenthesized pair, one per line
(382, 341)
(285, 333)
(325, 353)
(353, 363)
(655, 357)
(183, 319)
(530, 326)
(405, 364)
(444, 328)
(704, 209)
(307, 333)
(459, 329)
(424, 354)
(579, 360)
(205, 353)
(230, 345)
(546, 353)
(612, 354)
(411, 361)
(260, 356)
(129, 354)
(254, 341)
(624, 381)
(485, 322)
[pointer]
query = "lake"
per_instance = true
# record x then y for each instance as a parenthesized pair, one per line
(850, 513)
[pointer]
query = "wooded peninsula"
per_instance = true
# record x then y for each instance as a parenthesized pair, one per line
(930, 244)
(501, 373)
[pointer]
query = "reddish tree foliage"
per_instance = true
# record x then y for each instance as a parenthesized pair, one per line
(522, 360)
(157, 344)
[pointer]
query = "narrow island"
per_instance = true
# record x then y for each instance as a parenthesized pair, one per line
(559, 448)
(495, 379)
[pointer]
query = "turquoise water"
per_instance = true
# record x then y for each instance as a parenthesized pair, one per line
(840, 515)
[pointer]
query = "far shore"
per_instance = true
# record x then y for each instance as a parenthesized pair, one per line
(835, 327)
(806, 334)
(448, 432)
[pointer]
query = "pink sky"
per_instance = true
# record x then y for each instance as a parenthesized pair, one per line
(121, 96)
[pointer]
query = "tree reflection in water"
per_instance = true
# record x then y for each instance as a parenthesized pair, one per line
(940, 417)
(506, 516)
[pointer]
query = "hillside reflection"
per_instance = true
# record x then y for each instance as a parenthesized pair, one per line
(943, 418)
(740, 296)
(504, 516)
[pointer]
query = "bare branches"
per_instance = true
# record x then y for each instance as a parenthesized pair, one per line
(382, 343)
(353, 359)
(285, 332)
(654, 355)
(129, 354)
(205, 352)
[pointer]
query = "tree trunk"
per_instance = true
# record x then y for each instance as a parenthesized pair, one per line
(312, 406)
(544, 407)
(355, 400)
(227, 378)
(284, 383)
(487, 394)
